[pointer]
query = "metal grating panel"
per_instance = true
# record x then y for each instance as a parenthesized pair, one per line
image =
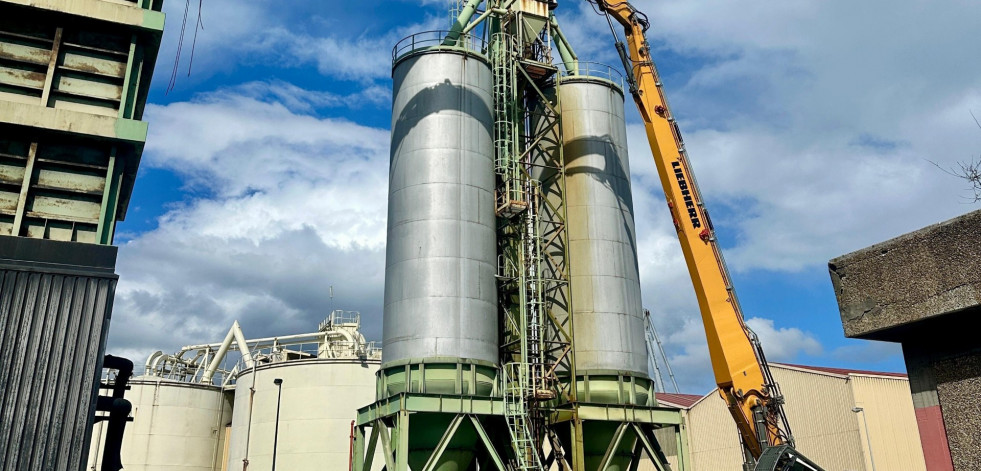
(53, 323)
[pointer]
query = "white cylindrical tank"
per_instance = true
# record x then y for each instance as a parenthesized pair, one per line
(319, 402)
(177, 426)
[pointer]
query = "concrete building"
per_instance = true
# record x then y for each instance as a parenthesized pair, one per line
(820, 404)
(74, 77)
(923, 290)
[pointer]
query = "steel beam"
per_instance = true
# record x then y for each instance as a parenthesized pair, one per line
(443, 443)
(488, 444)
(386, 440)
(612, 448)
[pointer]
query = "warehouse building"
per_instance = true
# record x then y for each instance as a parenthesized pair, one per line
(844, 420)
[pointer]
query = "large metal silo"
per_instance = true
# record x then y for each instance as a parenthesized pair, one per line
(440, 289)
(609, 322)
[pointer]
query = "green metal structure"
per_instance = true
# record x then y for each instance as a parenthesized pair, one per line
(540, 414)
(74, 78)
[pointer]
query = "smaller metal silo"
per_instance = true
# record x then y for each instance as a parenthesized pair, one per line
(610, 352)
(440, 290)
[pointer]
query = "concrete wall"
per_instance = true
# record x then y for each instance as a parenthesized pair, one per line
(917, 276)
(923, 289)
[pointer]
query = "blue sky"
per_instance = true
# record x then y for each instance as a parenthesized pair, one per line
(810, 126)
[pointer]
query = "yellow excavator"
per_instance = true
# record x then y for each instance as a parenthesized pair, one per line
(740, 368)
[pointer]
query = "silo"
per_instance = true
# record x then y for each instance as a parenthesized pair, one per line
(316, 412)
(440, 320)
(176, 425)
(610, 353)
(440, 290)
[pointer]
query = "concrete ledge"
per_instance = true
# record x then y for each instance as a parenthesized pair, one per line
(128, 15)
(72, 122)
(922, 275)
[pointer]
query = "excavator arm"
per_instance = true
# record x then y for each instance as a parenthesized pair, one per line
(739, 365)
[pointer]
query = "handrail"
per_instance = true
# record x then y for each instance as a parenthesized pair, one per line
(598, 70)
(437, 39)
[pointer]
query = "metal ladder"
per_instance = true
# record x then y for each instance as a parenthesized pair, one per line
(513, 202)
(516, 413)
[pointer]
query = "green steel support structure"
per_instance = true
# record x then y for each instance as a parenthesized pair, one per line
(535, 403)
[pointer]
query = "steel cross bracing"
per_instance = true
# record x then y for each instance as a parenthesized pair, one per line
(532, 266)
(654, 345)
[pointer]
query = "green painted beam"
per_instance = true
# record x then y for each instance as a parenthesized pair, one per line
(390, 407)
(386, 440)
(611, 449)
(619, 413)
(443, 443)
(488, 444)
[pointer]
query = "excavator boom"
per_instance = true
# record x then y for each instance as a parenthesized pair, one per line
(738, 363)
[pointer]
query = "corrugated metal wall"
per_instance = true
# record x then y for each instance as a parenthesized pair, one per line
(888, 406)
(53, 323)
(713, 441)
(819, 407)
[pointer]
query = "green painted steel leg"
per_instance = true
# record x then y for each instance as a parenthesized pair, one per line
(386, 440)
(684, 464)
(637, 456)
(372, 444)
(612, 449)
(444, 442)
(357, 454)
(402, 427)
(488, 444)
(578, 454)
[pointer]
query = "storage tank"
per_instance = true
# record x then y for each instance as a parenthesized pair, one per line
(317, 407)
(440, 289)
(611, 355)
(609, 317)
(176, 426)
(440, 323)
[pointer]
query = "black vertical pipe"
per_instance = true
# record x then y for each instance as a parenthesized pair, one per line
(278, 382)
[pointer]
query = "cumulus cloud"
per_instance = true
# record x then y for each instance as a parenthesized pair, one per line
(810, 126)
(343, 41)
(293, 203)
(783, 343)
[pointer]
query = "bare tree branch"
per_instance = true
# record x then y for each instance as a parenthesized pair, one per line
(968, 170)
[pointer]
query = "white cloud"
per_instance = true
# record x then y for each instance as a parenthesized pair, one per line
(293, 203)
(783, 344)
(348, 42)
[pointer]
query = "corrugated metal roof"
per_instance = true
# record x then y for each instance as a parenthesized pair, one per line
(841, 371)
(678, 400)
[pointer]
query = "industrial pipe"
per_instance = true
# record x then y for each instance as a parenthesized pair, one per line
(461, 22)
(569, 58)
(118, 409)
(235, 333)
